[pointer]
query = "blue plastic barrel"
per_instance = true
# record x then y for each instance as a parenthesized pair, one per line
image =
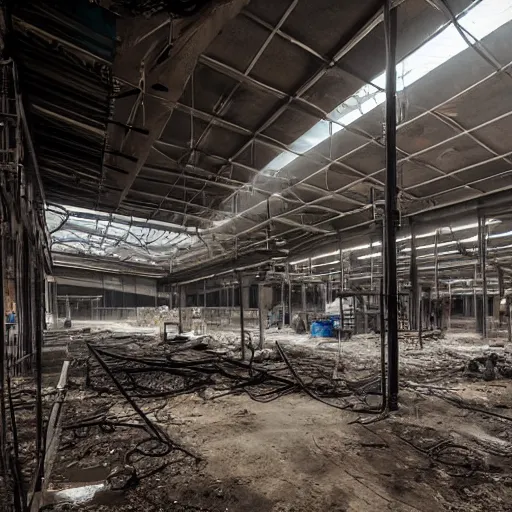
(321, 329)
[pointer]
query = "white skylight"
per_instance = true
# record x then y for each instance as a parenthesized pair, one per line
(483, 19)
(500, 235)
(116, 236)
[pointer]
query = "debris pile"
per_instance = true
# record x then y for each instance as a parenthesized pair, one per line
(155, 317)
(124, 428)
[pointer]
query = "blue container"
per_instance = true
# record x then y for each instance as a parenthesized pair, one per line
(321, 329)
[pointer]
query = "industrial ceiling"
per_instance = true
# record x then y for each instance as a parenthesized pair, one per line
(242, 127)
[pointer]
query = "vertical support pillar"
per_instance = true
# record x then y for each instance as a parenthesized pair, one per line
(55, 306)
(449, 319)
(304, 304)
(203, 310)
(38, 310)
(390, 27)
(180, 309)
(436, 279)
(283, 308)
(241, 298)
(482, 238)
(475, 304)
(342, 272)
(501, 295)
(509, 319)
(290, 307)
(365, 300)
(342, 286)
(415, 297)
(68, 311)
(262, 315)
(289, 283)
(420, 320)
(3, 416)
(47, 307)
(24, 323)
(371, 270)
(429, 310)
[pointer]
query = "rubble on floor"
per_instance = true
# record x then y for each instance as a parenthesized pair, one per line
(156, 425)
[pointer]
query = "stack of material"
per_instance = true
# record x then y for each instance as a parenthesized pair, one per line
(151, 317)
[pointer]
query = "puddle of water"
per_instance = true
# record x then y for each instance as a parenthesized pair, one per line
(87, 475)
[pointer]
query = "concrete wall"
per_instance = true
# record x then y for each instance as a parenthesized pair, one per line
(116, 290)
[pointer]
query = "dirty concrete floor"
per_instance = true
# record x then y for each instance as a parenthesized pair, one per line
(297, 454)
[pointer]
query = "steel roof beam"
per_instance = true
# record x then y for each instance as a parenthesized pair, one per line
(328, 63)
(301, 104)
(401, 126)
(235, 187)
(463, 169)
(474, 182)
(180, 201)
(460, 130)
(428, 112)
(222, 105)
(303, 185)
(175, 72)
(363, 32)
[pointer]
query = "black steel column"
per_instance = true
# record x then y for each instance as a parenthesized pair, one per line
(38, 302)
(282, 304)
(289, 295)
(25, 320)
(475, 303)
(3, 416)
(261, 315)
(482, 238)
(415, 297)
(342, 287)
(180, 312)
(501, 293)
(56, 304)
(437, 307)
(391, 207)
(509, 320)
(241, 299)
(304, 304)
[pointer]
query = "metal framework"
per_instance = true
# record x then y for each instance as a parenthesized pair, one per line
(25, 260)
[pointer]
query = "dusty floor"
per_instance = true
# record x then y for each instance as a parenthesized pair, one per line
(295, 453)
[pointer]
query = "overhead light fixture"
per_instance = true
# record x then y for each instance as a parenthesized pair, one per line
(369, 256)
(336, 253)
(335, 262)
